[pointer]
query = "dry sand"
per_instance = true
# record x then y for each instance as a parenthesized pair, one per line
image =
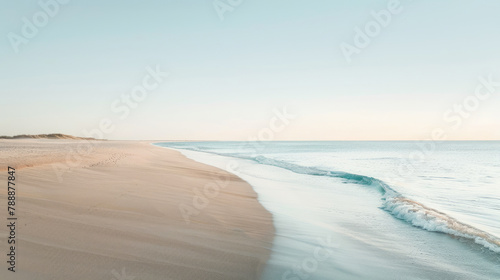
(115, 215)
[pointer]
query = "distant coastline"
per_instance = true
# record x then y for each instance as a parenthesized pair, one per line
(47, 136)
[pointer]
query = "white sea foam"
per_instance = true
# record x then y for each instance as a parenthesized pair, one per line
(430, 219)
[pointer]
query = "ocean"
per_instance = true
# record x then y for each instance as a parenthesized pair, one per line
(372, 210)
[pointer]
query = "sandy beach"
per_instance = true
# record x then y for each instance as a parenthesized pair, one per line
(111, 210)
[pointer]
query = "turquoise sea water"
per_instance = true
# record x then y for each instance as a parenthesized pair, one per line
(372, 210)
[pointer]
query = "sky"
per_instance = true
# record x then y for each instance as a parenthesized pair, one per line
(241, 70)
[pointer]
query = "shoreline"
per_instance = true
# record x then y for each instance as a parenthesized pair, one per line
(116, 210)
(345, 216)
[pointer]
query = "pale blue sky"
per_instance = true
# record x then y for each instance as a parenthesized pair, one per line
(226, 77)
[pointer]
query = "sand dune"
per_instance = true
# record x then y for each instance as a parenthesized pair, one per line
(45, 136)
